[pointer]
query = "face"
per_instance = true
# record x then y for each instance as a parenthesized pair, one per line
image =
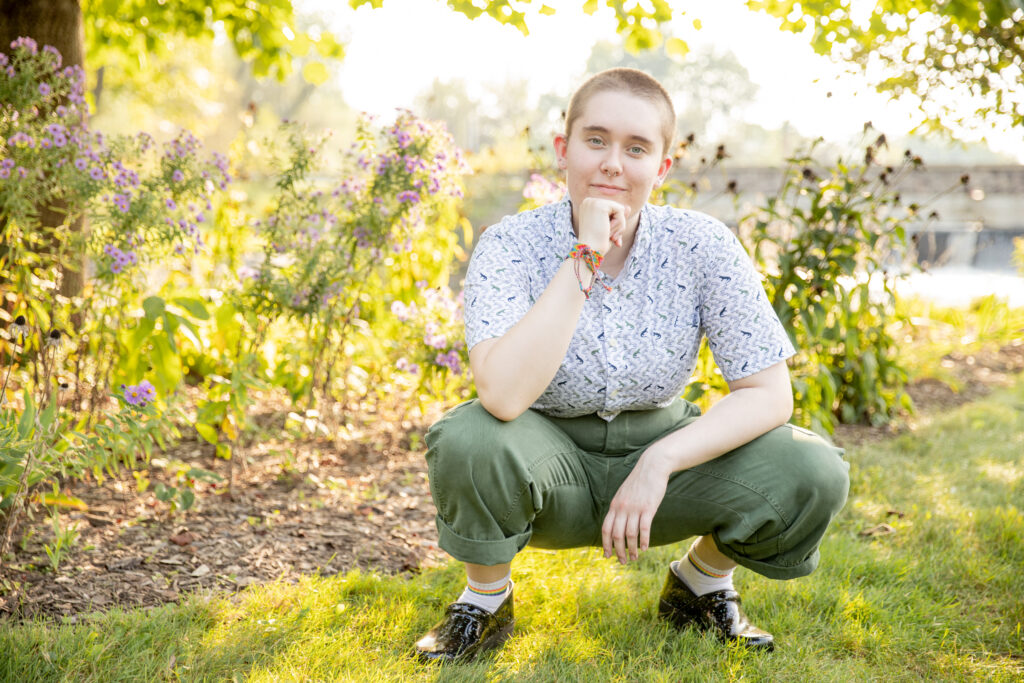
(614, 151)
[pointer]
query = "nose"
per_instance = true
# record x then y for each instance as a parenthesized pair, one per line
(611, 164)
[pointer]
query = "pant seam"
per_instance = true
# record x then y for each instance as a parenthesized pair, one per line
(771, 501)
(526, 487)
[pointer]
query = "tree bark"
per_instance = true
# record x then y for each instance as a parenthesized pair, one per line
(57, 23)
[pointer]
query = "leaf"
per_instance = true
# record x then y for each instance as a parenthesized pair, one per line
(163, 492)
(208, 432)
(315, 73)
(153, 306)
(195, 307)
(546, 11)
(224, 451)
(878, 530)
(677, 47)
(227, 426)
(182, 539)
(60, 500)
(28, 417)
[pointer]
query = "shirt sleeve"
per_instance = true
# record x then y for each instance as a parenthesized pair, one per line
(497, 287)
(743, 331)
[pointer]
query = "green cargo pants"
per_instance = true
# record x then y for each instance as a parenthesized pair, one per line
(548, 482)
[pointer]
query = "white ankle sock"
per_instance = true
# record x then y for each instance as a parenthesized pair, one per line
(701, 577)
(488, 596)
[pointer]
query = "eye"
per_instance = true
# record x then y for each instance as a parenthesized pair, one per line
(595, 140)
(636, 149)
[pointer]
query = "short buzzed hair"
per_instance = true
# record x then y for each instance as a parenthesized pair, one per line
(634, 82)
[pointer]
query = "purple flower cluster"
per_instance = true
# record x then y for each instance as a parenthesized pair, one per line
(543, 191)
(120, 259)
(405, 365)
(450, 360)
(7, 166)
(26, 44)
(139, 394)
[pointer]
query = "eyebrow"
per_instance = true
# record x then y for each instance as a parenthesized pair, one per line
(602, 129)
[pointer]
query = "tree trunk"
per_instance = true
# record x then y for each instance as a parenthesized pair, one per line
(57, 23)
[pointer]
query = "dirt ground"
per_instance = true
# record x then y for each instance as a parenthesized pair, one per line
(302, 507)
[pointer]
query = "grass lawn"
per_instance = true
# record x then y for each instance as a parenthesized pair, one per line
(939, 597)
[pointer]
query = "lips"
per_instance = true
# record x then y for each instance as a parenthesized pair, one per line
(608, 189)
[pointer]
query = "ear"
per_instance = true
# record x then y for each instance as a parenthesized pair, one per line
(561, 145)
(663, 169)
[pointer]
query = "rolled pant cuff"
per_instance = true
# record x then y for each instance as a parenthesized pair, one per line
(772, 571)
(479, 552)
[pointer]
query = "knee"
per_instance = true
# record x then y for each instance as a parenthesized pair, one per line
(824, 479)
(466, 448)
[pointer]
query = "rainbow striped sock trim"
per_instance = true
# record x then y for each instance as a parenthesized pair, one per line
(703, 568)
(488, 591)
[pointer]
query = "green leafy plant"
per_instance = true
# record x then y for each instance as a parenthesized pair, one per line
(63, 539)
(832, 241)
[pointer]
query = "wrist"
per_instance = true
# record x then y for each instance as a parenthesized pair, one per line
(657, 460)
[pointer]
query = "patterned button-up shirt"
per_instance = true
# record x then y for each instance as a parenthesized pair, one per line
(635, 347)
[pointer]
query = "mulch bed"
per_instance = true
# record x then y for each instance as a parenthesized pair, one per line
(302, 507)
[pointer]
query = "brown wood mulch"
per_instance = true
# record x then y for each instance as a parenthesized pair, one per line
(303, 506)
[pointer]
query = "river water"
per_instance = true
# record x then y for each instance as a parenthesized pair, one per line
(960, 285)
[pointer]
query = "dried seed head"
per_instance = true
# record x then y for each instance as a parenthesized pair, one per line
(20, 321)
(54, 338)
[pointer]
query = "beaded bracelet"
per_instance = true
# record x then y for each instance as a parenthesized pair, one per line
(581, 253)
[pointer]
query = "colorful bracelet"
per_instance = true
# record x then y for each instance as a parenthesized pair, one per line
(581, 253)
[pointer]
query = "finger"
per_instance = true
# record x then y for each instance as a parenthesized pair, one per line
(619, 538)
(645, 530)
(632, 529)
(606, 534)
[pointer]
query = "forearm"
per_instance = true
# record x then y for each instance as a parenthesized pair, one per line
(519, 365)
(736, 419)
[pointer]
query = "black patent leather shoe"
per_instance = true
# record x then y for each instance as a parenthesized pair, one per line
(465, 631)
(719, 612)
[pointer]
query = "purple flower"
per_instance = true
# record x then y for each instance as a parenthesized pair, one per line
(96, 173)
(177, 176)
(171, 204)
(50, 49)
(27, 43)
(449, 360)
(435, 341)
(409, 196)
(116, 267)
(139, 394)
(147, 390)
(404, 365)
(81, 163)
(44, 89)
(5, 173)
